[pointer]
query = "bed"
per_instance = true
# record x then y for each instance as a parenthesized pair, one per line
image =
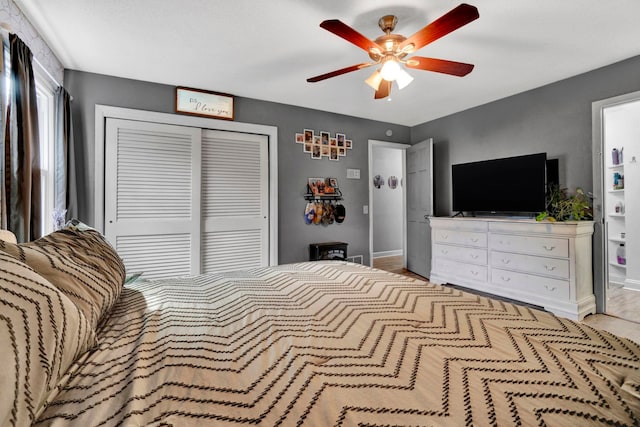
(326, 343)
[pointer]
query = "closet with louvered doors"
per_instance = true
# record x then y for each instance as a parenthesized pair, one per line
(182, 200)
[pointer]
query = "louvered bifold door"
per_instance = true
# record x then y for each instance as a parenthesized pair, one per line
(152, 196)
(235, 201)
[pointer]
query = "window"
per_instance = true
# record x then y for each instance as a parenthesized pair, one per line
(45, 98)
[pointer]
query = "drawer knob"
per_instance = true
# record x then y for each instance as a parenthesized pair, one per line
(550, 268)
(549, 248)
(550, 288)
(444, 251)
(444, 236)
(475, 273)
(505, 279)
(474, 239)
(506, 261)
(474, 256)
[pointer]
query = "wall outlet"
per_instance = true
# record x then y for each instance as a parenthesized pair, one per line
(353, 173)
(365, 209)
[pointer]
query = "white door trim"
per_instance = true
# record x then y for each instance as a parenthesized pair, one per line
(399, 146)
(102, 112)
(600, 235)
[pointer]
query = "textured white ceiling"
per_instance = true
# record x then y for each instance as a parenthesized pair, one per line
(267, 49)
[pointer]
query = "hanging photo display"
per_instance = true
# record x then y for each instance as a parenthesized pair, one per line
(378, 181)
(323, 144)
(323, 201)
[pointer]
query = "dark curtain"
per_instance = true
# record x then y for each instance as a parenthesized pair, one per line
(65, 171)
(3, 122)
(22, 154)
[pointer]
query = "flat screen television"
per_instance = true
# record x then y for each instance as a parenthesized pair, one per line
(514, 185)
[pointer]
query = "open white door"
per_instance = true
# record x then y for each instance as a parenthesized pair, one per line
(419, 207)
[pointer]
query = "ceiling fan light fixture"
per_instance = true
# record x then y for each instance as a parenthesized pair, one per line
(374, 80)
(403, 79)
(390, 69)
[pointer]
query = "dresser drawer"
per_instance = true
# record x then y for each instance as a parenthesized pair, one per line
(545, 287)
(466, 238)
(531, 264)
(460, 253)
(546, 246)
(460, 270)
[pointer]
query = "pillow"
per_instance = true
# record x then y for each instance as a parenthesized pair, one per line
(41, 334)
(80, 263)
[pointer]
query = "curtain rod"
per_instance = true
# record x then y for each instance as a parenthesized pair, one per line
(6, 28)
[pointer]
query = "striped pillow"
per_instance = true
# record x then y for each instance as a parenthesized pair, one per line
(41, 334)
(81, 264)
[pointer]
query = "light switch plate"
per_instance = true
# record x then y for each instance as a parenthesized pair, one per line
(353, 173)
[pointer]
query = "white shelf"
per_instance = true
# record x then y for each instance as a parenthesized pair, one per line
(616, 215)
(615, 264)
(617, 240)
(617, 190)
(619, 166)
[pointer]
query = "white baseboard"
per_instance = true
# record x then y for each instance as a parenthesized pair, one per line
(632, 284)
(383, 254)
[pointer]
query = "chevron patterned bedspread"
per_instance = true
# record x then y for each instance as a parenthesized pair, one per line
(339, 344)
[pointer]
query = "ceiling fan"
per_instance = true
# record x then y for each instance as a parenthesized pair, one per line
(390, 50)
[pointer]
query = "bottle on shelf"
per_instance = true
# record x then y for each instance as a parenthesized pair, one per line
(620, 159)
(621, 254)
(615, 156)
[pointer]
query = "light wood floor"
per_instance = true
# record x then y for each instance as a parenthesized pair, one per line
(622, 303)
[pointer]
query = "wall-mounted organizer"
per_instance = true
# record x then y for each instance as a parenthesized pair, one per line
(616, 225)
(323, 198)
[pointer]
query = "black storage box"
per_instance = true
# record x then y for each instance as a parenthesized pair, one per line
(328, 250)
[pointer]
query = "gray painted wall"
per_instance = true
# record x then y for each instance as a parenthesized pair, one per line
(294, 166)
(555, 119)
(386, 209)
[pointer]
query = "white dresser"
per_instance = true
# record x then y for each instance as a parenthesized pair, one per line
(541, 263)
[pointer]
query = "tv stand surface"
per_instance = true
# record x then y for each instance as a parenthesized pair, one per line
(541, 263)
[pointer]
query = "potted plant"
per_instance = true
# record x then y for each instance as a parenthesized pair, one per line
(564, 207)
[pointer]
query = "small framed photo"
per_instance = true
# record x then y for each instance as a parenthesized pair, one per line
(342, 151)
(333, 182)
(341, 138)
(324, 136)
(308, 135)
(325, 150)
(299, 138)
(348, 143)
(315, 151)
(316, 186)
(308, 147)
(333, 142)
(316, 139)
(334, 154)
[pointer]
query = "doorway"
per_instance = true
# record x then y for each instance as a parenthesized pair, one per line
(616, 181)
(387, 203)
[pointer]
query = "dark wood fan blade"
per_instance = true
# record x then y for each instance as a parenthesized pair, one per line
(383, 90)
(341, 29)
(439, 66)
(339, 72)
(442, 26)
